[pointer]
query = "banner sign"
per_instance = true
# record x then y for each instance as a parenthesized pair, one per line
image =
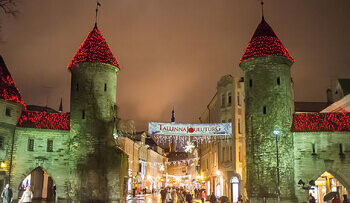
(190, 129)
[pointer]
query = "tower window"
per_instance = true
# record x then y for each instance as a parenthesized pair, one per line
(229, 98)
(1, 142)
(30, 145)
(77, 86)
(8, 112)
(83, 114)
(239, 126)
(105, 87)
(278, 81)
(264, 110)
(250, 83)
(341, 152)
(313, 149)
(238, 99)
(49, 146)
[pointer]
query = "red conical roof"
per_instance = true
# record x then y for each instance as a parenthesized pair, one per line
(265, 43)
(94, 49)
(8, 88)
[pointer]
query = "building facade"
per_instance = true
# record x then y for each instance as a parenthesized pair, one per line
(222, 161)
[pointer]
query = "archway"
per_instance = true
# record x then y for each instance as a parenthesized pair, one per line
(325, 184)
(41, 184)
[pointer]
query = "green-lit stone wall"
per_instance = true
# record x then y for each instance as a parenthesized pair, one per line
(55, 163)
(269, 107)
(326, 157)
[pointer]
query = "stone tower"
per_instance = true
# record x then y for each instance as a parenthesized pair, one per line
(96, 162)
(269, 106)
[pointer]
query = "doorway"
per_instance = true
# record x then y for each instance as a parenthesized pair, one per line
(40, 183)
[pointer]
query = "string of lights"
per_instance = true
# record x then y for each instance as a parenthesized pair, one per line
(44, 120)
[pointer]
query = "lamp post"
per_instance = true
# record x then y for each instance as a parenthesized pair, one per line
(276, 133)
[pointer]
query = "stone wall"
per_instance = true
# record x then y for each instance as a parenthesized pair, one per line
(327, 157)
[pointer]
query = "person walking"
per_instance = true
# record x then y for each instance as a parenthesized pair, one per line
(189, 197)
(27, 196)
(212, 198)
(346, 200)
(168, 198)
(311, 199)
(180, 197)
(336, 199)
(203, 196)
(7, 194)
(163, 194)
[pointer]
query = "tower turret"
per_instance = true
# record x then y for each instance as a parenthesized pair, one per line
(93, 105)
(269, 106)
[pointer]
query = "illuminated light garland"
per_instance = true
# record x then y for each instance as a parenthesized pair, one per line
(8, 88)
(265, 43)
(44, 120)
(321, 122)
(94, 49)
(164, 139)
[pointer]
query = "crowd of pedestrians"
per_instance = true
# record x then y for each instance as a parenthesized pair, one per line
(182, 195)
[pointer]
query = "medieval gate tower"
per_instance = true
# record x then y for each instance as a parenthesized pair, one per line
(269, 106)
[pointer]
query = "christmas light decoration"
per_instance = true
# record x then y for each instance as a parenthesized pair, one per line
(189, 147)
(319, 122)
(44, 120)
(265, 43)
(8, 88)
(94, 49)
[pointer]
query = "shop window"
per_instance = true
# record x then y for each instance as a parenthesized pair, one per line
(49, 146)
(30, 144)
(83, 114)
(8, 112)
(264, 110)
(105, 87)
(250, 83)
(1, 142)
(278, 81)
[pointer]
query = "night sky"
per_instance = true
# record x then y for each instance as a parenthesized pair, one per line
(172, 52)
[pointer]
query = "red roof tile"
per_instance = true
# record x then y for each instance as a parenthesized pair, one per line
(94, 49)
(265, 43)
(8, 88)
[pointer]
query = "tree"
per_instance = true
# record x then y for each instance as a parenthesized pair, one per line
(8, 7)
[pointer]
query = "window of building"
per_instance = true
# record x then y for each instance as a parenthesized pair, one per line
(8, 112)
(223, 121)
(1, 142)
(264, 110)
(341, 152)
(238, 99)
(231, 153)
(250, 83)
(83, 114)
(229, 96)
(230, 120)
(49, 146)
(105, 87)
(240, 154)
(278, 81)
(77, 86)
(223, 98)
(207, 163)
(239, 126)
(30, 144)
(313, 149)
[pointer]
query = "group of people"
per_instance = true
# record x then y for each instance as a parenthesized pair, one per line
(7, 195)
(336, 199)
(180, 195)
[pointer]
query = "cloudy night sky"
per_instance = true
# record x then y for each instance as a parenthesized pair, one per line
(172, 52)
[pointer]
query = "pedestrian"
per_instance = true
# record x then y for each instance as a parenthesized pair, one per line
(27, 196)
(336, 199)
(173, 194)
(168, 198)
(180, 197)
(311, 199)
(163, 194)
(203, 196)
(346, 200)
(189, 197)
(212, 198)
(7, 194)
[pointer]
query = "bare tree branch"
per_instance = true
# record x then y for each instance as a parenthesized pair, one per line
(8, 7)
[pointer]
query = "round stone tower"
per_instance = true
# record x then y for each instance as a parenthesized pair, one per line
(94, 157)
(269, 106)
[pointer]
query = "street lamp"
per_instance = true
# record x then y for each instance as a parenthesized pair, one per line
(276, 133)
